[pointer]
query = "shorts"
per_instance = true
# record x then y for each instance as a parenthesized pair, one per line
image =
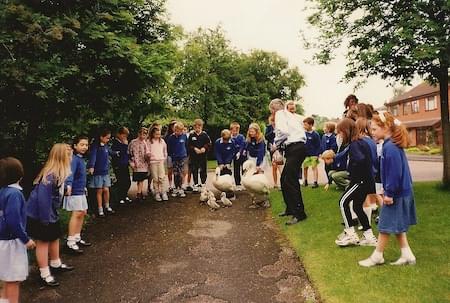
(311, 161)
(169, 162)
(13, 261)
(75, 203)
(43, 232)
(140, 176)
(99, 181)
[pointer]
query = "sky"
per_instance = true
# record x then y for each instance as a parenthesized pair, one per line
(274, 25)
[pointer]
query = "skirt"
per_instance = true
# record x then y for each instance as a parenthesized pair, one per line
(43, 232)
(13, 261)
(75, 203)
(397, 217)
(140, 176)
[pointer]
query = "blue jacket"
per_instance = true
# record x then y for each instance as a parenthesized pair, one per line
(256, 150)
(312, 144)
(120, 157)
(77, 178)
(12, 214)
(44, 202)
(360, 163)
(395, 173)
(240, 143)
(99, 159)
(177, 146)
(224, 151)
(329, 142)
(341, 160)
(373, 154)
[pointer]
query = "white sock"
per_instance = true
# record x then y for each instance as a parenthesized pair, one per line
(100, 210)
(71, 240)
(45, 272)
(407, 252)
(107, 205)
(77, 237)
(55, 263)
(368, 233)
(377, 255)
(368, 211)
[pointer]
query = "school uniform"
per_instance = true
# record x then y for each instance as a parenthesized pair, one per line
(77, 201)
(225, 152)
(255, 151)
(238, 160)
(99, 160)
(338, 172)
(120, 164)
(313, 149)
(397, 183)
(42, 211)
(362, 183)
(13, 237)
(328, 142)
(177, 150)
(199, 161)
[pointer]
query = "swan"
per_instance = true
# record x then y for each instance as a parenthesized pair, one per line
(226, 202)
(212, 202)
(224, 183)
(255, 184)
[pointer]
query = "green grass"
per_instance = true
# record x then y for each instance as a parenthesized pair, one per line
(212, 164)
(337, 276)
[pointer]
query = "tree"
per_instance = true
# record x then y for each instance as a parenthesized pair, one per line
(394, 39)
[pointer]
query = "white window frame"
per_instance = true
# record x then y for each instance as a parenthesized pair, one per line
(427, 105)
(415, 106)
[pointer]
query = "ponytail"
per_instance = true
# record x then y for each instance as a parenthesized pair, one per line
(399, 133)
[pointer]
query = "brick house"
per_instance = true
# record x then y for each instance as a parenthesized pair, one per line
(419, 109)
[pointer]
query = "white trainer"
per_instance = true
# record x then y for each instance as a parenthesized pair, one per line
(195, 188)
(371, 261)
(175, 193)
(347, 240)
(158, 197)
(181, 193)
(165, 197)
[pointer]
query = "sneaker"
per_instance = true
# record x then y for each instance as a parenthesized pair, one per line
(128, 200)
(347, 240)
(195, 188)
(171, 189)
(188, 188)
(181, 193)
(165, 197)
(368, 240)
(405, 261)
(122, 202)
(158, 197)
(175, 193)
(110, 211)
(101, 214)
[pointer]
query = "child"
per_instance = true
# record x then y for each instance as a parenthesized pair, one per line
(398, 211)
(187, 170)
(98, 169)
(290, 106)
(42, 212)
(255, 147)
(138, 151)
(75, 200)
(328, 142)
(312, 146)
(238, 160)
(14, 240)
(177, 150)
(169, 132)
(361, 184)
(120, 164)
(198, 145)
(224, 150)
(338, 168)
(275, 155)
(157, 158)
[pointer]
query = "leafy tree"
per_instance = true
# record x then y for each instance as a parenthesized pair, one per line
(394, 39)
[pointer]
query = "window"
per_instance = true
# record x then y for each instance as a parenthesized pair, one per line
(394, 110)
(406, 108)
(415, 106)
(430, 103)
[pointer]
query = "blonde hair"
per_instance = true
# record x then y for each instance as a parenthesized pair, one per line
(276, 105)
(259, 136)
(198, 122)
(234, 125)
(179, 125)
(399, 133)
(328, 154)
(225, 134)
(58, 164)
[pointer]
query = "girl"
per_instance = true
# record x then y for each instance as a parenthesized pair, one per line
(138, 151)
(14, 240)
(170, 130)
(255, 147)
(157, 157)
(398, 211)
(361, 184)
(42, 211)
(177, 150)
(121, 163)
(98, 169)
(75, 200)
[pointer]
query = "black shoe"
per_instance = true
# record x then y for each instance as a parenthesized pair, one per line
(50, 283)
(295, 220)
(61, 269)
(74, 251)
(315, 185)
(84, 243)
(284, 214)
(189, 188)
(305, 183)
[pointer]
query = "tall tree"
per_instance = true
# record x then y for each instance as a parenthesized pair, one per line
(394, 39)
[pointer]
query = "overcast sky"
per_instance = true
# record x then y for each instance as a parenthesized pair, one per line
(274, 25)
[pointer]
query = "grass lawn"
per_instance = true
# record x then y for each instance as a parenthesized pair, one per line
(337, 276)
(212, 164)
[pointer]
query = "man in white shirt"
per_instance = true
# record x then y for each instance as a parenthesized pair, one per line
(290, 136)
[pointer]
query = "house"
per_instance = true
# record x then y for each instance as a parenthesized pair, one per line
(419, 109)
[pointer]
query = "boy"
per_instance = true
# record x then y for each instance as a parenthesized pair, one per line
(329, 143)
(225, 150)
(198, 146)
(176, 149)
(312, 151)
(338, 168)
(239, 141)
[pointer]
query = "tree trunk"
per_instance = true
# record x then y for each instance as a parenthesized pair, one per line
(443, 91)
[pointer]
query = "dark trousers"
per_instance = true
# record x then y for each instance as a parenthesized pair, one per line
(237, 170)
(295, 154)
(199, 165)
(123, 181)
(357, 193)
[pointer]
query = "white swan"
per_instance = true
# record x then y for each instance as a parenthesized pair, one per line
(255, 184)
(223, 183)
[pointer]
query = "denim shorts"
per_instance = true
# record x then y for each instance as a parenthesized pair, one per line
(99, 181)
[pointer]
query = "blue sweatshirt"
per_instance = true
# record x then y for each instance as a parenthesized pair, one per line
(360, 163)
(373, 154)
(99, 159)
(270, 136)
(44, 202)
(177, 146)
(312, 144)
(12, 214)
(224, 151)
(120, 157)
(256, 150)
(329, 142)
(77, 178)
(395, 174)
(239, 142)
